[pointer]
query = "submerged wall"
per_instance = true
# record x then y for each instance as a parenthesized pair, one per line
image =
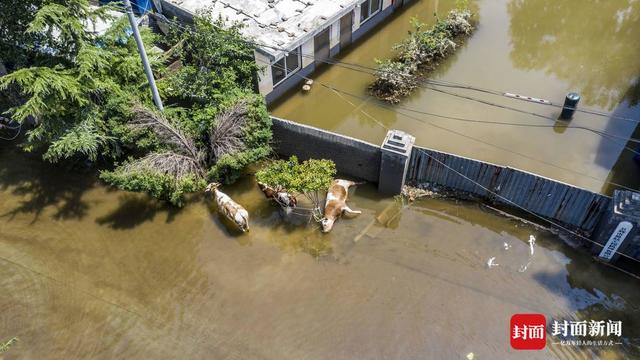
(552, 199)
(569, 206)
(353, 157)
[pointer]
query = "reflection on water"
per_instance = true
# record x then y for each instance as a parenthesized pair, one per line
(91, 273)
(592, 45)
(541, 48)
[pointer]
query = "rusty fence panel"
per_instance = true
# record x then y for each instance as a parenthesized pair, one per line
(551, 199)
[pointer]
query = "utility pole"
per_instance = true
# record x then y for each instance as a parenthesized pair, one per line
(143, 55)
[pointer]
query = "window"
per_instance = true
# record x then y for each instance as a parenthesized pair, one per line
(368, 9)
(285, 67)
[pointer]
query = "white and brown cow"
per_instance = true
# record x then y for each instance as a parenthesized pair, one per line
(336, 203)
(229, 208)
(279, 195)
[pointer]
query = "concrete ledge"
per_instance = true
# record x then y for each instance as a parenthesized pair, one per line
(353, 157)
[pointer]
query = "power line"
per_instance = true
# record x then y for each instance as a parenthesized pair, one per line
(555, 224)
(423, 82)
(392, 109)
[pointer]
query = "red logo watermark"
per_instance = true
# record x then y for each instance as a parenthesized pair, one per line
(528, 331)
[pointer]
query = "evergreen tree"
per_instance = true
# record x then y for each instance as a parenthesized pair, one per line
(88, 99)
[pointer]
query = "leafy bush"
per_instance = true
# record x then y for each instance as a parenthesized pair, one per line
(89, 99)
(308, 178)
(397, 78)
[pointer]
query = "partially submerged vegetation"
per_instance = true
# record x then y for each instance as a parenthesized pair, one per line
(4, 346)
(88, 99)
(309, 179)
(420, 52)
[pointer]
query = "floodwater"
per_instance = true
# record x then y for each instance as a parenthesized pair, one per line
(538, 48)
(88, 272)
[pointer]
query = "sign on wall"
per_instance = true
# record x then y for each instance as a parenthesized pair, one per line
(622, 230)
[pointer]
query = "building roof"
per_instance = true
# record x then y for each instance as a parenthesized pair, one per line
(277, 23)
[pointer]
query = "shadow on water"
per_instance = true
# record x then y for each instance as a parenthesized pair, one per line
(592, 70)
(615, 298)
(41, 185)
(135, 209)
(625, 167)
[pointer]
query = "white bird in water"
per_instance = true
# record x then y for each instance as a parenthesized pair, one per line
(491, 263)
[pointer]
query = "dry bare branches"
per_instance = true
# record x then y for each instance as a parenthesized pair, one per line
(226, 134)
(146, 119)
(167, 163)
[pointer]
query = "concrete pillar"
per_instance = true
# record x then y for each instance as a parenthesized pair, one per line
(394, 162)
(619, 230)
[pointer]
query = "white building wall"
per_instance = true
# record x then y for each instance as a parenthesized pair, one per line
(356, 18)
(386, 3)
(265, 80)
(334, 37)
(307, 53)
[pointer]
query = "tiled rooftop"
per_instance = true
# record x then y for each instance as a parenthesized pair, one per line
(278, 23)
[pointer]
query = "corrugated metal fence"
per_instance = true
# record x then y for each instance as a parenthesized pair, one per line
(545, 197)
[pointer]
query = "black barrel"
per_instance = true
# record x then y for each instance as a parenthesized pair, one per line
(570, 105)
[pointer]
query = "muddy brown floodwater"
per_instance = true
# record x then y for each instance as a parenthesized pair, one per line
(539, 48)
(88, 272)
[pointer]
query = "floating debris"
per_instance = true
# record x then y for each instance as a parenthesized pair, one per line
(412, 193)
(524, 267)
(491, 263)
(532, 243)
(470, 356)
(506, 246)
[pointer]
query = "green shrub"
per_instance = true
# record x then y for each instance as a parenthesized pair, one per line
(397, 78)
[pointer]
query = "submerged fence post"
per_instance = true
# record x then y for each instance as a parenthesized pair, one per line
(619, 228)
(394, 162)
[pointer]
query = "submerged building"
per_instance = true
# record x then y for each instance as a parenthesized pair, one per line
(292, 37)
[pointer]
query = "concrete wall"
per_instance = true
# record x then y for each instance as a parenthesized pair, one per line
(594, 215)
(265, 79)
(353, 157)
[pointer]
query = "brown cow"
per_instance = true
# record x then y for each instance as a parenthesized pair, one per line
(279, 195)
(336, 203)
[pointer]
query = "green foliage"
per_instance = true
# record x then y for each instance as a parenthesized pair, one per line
(309, 176)
(216, 60)
(16, 44)
(158, 185)
(421, 51)
(4, 346)
(82, 91)
(69, 92)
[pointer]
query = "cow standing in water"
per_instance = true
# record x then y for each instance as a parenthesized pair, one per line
(336, 203)
(279, 195)
(229, 208)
